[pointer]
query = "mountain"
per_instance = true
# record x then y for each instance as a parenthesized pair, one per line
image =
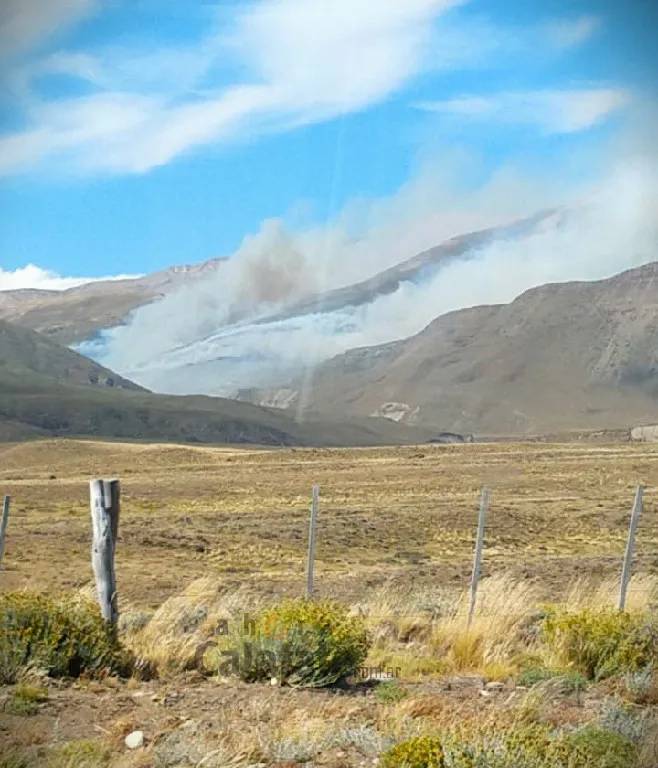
(48, 390)
(77, 314)
(562, 356)
(224, 345)
(32, 358)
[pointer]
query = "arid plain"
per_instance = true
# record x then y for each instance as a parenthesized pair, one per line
(555, 511)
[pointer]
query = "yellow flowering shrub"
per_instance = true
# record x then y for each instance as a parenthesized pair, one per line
(64, 637)
(300, 642)
(602, 643)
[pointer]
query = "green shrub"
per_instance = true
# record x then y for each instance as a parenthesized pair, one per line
(531, 746)
(418, 752)
(389, 692)
(533, 675)
(13, 758)
(25, 700)
(602, 644)
(80, 754)
(600, 748)
(299, 642)
(62, 637)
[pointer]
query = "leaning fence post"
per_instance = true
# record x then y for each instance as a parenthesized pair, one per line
(104, 498)
(3, 526)
(311, 539)
(479, 545)
(630, 543)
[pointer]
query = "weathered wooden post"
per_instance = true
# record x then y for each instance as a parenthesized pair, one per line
(479, 546)
(3, 526)
(105, 505)
(630, 543)
(311, 539)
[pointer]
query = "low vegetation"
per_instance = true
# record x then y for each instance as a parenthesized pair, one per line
(528, 747)
(299, 643)
(64, 638)
(526, 684)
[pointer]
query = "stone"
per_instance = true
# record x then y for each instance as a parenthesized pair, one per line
(135, 740)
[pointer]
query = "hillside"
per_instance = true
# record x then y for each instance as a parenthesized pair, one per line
(48, 390)
(77, 314)
(31, 358)
(562, 356)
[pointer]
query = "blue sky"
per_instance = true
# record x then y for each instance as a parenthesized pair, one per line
(137, 134)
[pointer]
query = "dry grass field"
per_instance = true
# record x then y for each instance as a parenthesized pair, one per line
(210, 532)
(556, 511)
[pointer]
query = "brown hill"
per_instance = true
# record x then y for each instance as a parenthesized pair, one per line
(48, 390)
(77, 314)
(562, 356)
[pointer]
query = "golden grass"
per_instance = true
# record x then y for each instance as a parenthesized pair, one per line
(170, 639)
(421, 633)
(555, 511)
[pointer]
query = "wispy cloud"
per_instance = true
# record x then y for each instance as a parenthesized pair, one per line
(551, 111)
(568, 33)
(304, 62)
(25, 23)
(264, 67)
(33, 277)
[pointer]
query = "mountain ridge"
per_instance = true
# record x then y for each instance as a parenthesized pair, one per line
(562, 355)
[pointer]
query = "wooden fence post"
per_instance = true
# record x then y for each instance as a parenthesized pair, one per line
(630, 543)
(479, 545)
(105, 506)
(311, 540)
(3, 526)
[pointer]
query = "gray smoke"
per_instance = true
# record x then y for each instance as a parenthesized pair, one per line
(204, 339)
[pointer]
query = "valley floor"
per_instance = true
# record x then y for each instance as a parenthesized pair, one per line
(218, 531)
(555, 511)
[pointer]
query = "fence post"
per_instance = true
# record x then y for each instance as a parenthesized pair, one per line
(311, 540)
(105, 505)
(479, 545)
(3, 526)
(630, 543)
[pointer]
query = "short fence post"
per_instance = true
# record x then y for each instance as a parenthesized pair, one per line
(479, 545)
(311, 540)
(630, 543)
(3, 526)
(105, 506)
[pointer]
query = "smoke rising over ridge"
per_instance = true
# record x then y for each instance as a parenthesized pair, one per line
(214, 337)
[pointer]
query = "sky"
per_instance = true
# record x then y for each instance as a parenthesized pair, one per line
(140, 134)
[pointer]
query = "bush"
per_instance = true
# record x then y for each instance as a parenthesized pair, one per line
(80, 754)
(64, 638)
(300, 642)
(389, 692)
(25, 700)
(532, 746)
(598, 747)
(602, 644)
(418, 752)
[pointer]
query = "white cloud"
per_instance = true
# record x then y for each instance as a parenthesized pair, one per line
(25, 23)
(34, 277)
(568, 33)
(304, 62)
(552, 111)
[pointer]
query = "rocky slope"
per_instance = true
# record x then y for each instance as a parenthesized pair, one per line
(571, 355)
